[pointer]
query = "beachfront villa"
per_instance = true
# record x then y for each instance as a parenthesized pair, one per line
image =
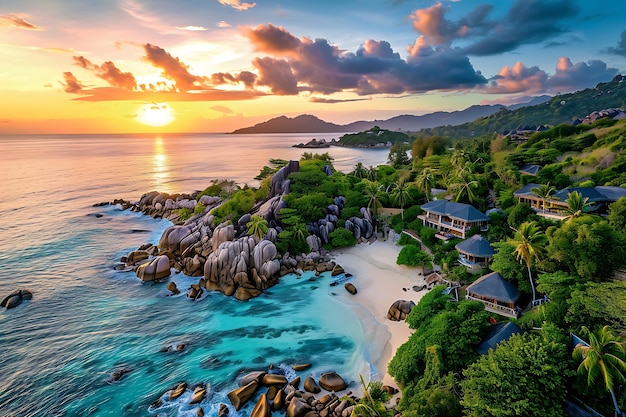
(452, 219)
(475, 253)
(497, 333)
(599, 198)
(498, 295)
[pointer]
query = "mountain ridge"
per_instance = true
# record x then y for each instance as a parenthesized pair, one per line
(307, 123)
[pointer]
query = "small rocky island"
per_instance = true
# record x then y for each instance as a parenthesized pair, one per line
(314, 144)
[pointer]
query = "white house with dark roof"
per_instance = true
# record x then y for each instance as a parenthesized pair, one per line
(475, 252)
(599, 198)
(498, 295)
(451, 218)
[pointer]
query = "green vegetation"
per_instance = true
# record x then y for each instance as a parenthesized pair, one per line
(374, 137)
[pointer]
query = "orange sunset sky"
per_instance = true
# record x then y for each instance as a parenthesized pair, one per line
(125, 66)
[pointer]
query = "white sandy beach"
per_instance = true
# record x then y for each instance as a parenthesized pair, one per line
(380, 282)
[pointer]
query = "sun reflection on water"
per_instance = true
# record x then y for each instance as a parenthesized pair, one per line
(160, 168)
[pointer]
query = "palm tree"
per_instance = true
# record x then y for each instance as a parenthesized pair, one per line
(464, 185)
(577, 205)
(359, 171)
(604, 357)
(401, 195)
(425, 181)
(544, 192)
(374, 194)
(257, 226)
(530, 242)
(372, 173)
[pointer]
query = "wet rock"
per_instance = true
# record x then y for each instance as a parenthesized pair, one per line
(136, 257)
(297, 408)
(311, 386)
(252, 376)
(295, 382)
(350, 288)
(262, 407)
(332, 381)
(337, 270)
(198, 394)
(223, 411)
(278, 402)
(240, 396)
(301, 367)
(118, 374)
(178, 390)
(155, 270)
(171, 287)
(195, 292)
(15, 298)
(274, 379)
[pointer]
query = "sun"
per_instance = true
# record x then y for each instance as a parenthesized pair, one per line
(155, 114)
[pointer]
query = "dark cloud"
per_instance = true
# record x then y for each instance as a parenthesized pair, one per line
(620, 49)
(71, 84)
(526, 22)
(108, 72)
(246, 78)
(276, 74)
(334, 101)
(272, 39)
(16, 21)
(173, 68)
(375, 68)
(570, 77)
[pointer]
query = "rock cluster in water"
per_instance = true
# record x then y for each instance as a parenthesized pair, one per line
(15, 298)
(225, 257)
(274, 392)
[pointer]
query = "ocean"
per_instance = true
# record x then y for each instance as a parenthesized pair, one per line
(87, 321)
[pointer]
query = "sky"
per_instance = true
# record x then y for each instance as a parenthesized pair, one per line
(129, 66)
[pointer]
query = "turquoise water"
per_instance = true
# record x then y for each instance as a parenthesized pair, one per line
(86, 320)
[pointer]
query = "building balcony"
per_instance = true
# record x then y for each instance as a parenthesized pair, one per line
(496, 308)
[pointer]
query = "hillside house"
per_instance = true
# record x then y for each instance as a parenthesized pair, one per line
(475, 253)
(498, 295)
(452, 219)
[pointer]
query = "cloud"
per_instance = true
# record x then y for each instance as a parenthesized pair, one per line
(222, 109)
(526, 22)
(333, 100)
(237, 4)
(246, 78)
(173, 68)
(518, 79)
(108, 72)
(192, 28)
(320, 67)
(17, 21)
(71, 84)
(620, 49)
(570, 77)
(117, 94)
(223, 24)
(272, 39)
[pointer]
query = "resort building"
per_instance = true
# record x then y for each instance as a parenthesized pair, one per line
(475, 253)
(452, 219)
(599, 198)
(498, 295)
(497, 333)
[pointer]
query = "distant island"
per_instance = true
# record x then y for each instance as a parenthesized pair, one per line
(307, 123)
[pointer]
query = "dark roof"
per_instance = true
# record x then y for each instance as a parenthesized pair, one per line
(477, 246)
(455, 210)
(611, 193)
(497, 334)
(494, 286)
(527, 190)
(530, 169)
(587, 192)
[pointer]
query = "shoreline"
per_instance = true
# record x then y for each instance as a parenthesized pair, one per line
(380, 282)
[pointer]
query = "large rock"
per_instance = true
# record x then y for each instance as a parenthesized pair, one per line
(157, 269)
(399, 310)
(240, 396)
(332, 381)
(311, 386)
(337, 270)
(262, 408)
(198, 394)
(252, 376)
(15, 298)
(274, 379)
(350, 288)
(297, 408)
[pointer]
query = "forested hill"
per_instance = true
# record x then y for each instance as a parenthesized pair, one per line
(563, 108)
